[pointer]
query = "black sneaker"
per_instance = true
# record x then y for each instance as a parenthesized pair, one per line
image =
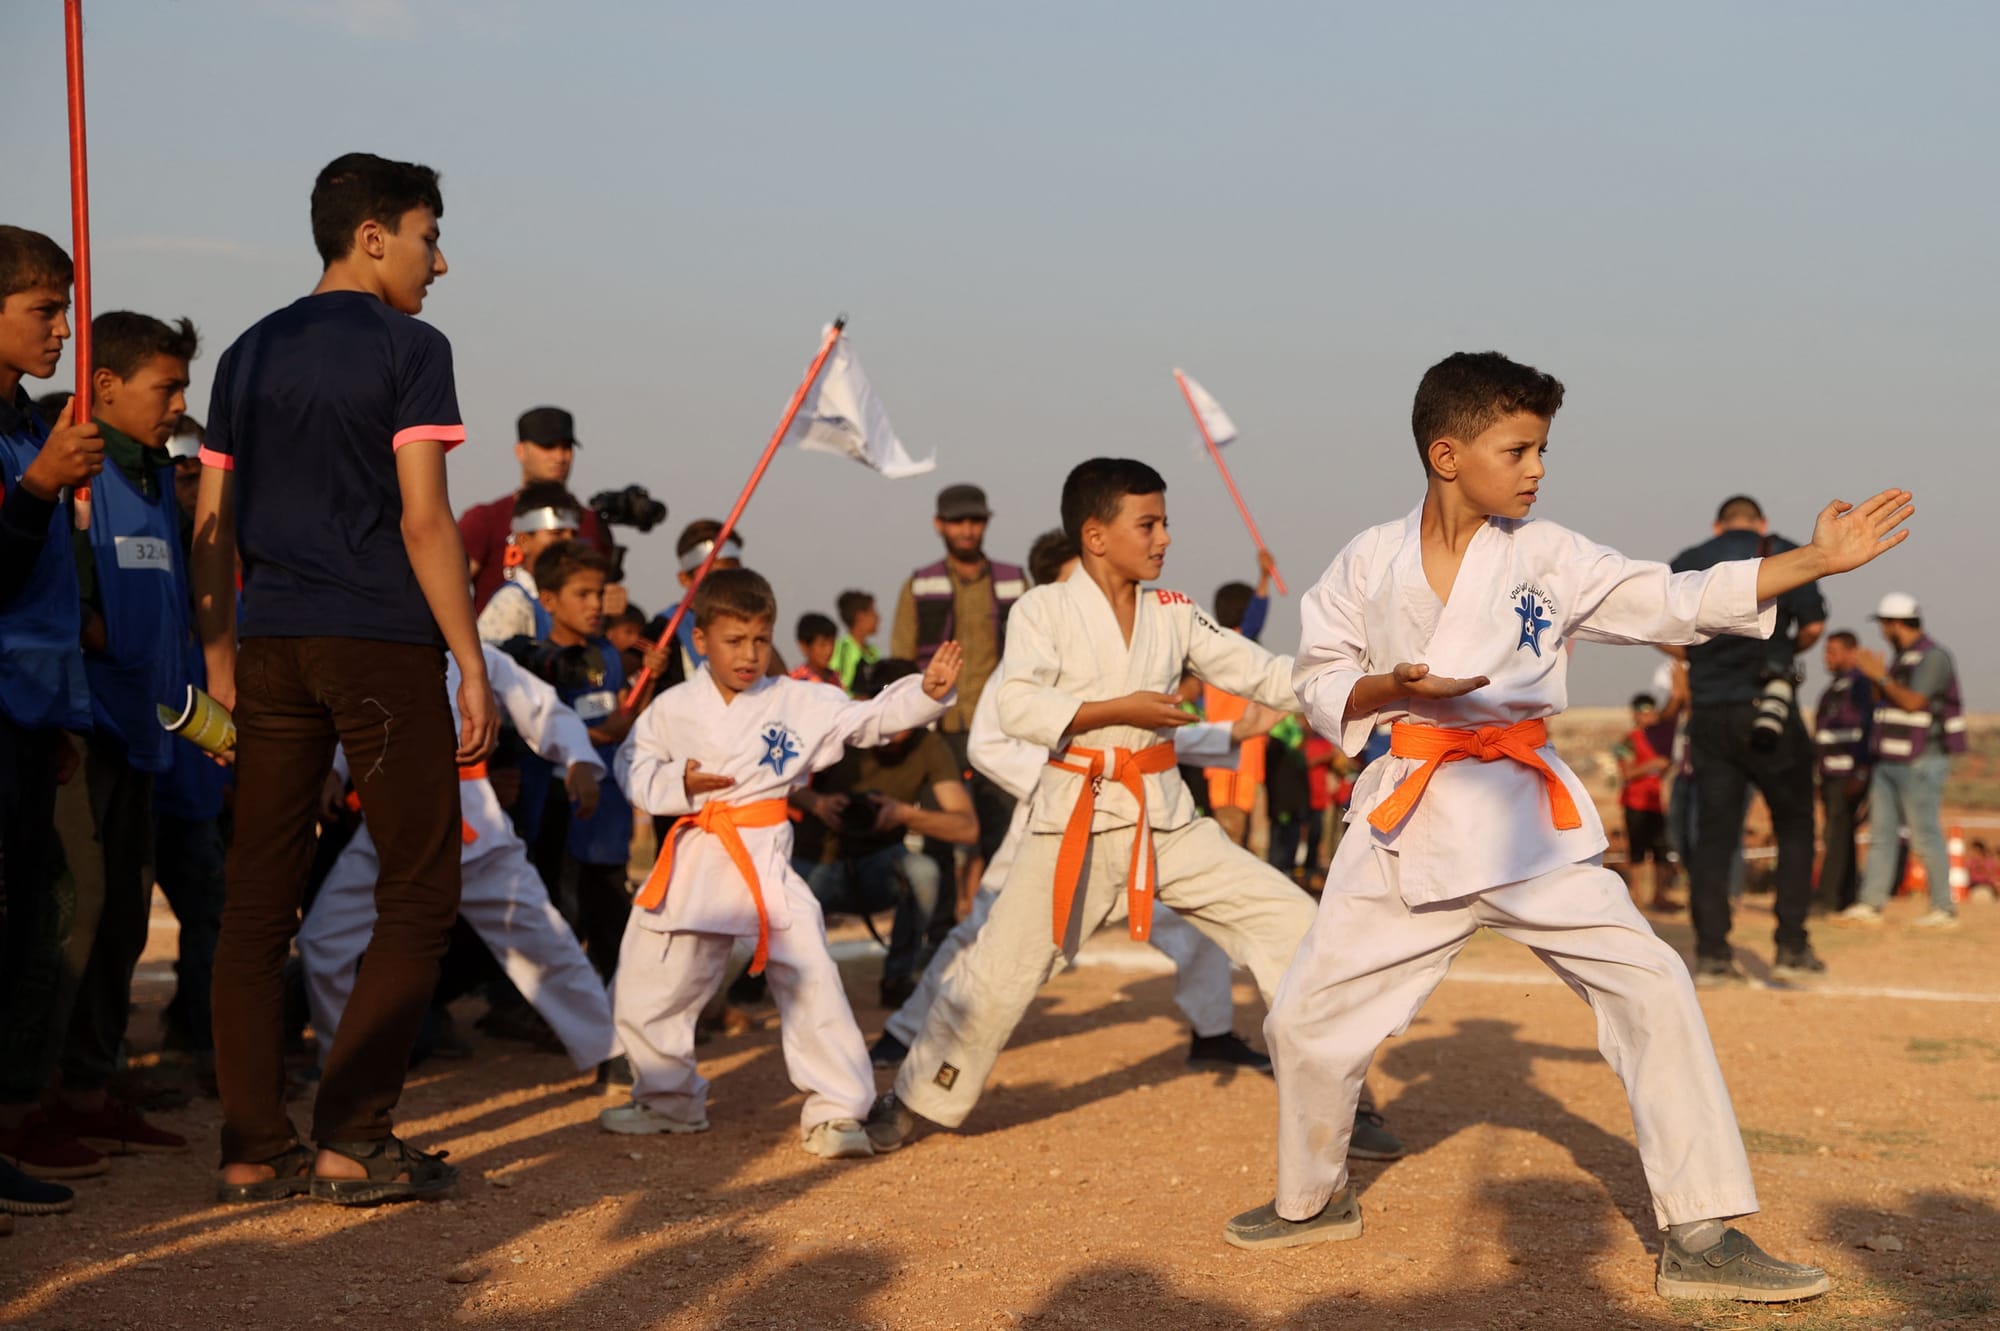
(889, 1124)
(24, 1194)
(1798, 961)
(1372, 1139)
(1714, 972)
(615, 1073)
(1736, 1268)
(1225, 1053)
(888, 1052)
(1265, 1228)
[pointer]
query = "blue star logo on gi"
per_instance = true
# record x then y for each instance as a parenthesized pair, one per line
(1533, 622)
(779, 750)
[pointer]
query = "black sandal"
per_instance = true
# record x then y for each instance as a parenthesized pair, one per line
(384, 1159)
(291, 1174)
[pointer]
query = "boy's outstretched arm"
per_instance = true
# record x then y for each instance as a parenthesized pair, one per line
(430, 536)
(1845, 537)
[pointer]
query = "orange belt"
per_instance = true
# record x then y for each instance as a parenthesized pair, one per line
(466, 836)
(1129, 768)
(721, 820)
(1438, 746)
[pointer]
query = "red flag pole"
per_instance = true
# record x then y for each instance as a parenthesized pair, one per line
(79, 215)
(742, 500)
(1229, 481)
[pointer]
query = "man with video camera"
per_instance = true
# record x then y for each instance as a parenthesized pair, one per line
(850, 847)
(1744, 729)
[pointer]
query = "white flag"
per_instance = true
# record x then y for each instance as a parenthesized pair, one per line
(1214, 420)
(842, 415)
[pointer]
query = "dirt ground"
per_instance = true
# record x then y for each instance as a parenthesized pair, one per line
(1090, 1187)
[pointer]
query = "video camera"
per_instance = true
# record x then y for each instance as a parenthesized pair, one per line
(578, 667)
(634, 507)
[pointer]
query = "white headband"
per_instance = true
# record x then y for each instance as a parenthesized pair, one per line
(693, 559)
(546, 519)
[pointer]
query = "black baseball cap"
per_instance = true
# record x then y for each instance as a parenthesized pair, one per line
(957, 502)
(545, 427)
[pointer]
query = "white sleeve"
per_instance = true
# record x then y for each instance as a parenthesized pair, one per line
(507, 615)
(1208, 744)
(1636, 601)
(1333, 653)
(1009, 763)
(868, 725)
(656, 781)
(548, 726)
(1032, 708)
(1234, 664)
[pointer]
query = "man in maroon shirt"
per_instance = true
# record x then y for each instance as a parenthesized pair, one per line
(546, 450)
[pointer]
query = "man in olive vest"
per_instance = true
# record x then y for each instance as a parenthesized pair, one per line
(964, 597)
(1919, 724)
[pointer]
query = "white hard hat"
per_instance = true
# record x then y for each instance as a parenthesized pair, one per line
(1899, 605)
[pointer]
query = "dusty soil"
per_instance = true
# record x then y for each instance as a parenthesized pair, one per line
(1090, 1188)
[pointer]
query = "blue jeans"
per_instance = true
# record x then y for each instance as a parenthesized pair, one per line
(890, 877)
(1908, 795)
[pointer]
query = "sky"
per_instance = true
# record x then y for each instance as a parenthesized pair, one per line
(1754, 241)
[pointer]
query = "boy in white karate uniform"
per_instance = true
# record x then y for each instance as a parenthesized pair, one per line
(1202, 979)
(1088, 679)
(722, 753)
(503, 898)
(1454, 622)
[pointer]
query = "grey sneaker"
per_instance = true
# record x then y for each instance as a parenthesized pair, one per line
(890, 1124)
(1714, 972)
(1860, 913)
(837, 1139)
(1737, 1269)
(633, 1119)
(1372, 1139)
(1936, 919)
(1265, 1228)
(1798, 961)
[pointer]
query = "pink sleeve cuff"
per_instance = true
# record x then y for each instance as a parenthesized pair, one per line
(451, 436)
(220, 461)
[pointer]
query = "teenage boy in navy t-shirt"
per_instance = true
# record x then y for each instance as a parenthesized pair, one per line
(324, 471)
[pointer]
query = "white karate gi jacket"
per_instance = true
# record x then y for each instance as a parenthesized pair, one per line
(1526, 589)
(1064, 648)
(772, 738)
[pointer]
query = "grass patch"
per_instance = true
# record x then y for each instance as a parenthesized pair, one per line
(1962, 1296)
(1777, 1143)
(1923, 1050)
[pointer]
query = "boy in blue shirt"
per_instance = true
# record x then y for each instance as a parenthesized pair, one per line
(324, 473)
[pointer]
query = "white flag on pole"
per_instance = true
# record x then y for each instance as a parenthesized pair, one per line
(1214, 420)
(842, 415)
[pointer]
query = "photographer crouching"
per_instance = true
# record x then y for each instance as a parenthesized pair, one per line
(857, 813)
(1744, 729)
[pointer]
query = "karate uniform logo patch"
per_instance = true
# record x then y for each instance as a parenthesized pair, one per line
(947, 1076)
(1532, 607)
(779, 749)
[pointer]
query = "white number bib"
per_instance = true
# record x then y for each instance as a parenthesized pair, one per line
(144, 552)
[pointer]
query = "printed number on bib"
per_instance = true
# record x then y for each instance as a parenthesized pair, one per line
(144, 552)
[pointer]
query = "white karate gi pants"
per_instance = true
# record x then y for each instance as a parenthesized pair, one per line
(1371, 961)
(664, 980)
(503, 899)
(1256, 914)
(1201, 969)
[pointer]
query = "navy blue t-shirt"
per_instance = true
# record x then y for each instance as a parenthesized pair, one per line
(1732, 669)
(308, 410)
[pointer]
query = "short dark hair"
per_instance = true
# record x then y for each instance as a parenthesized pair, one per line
(361, 187)
(703, 529)
(1739, 508)
(1462, 395)
(546, 494)
(813, 626)
(631, 614)
(121, 341)
(850, 604)
(555, 566)
(1845, 637)
(188, 426)
(29, 259)
(872, 678)
(1232, 603)
(1644, 700)
(736, 592)
(1046, 557)
(1096, 488)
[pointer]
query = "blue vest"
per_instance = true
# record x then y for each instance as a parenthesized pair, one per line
(606, 836)
(42, 684)
(543, 623)
(135, 543)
